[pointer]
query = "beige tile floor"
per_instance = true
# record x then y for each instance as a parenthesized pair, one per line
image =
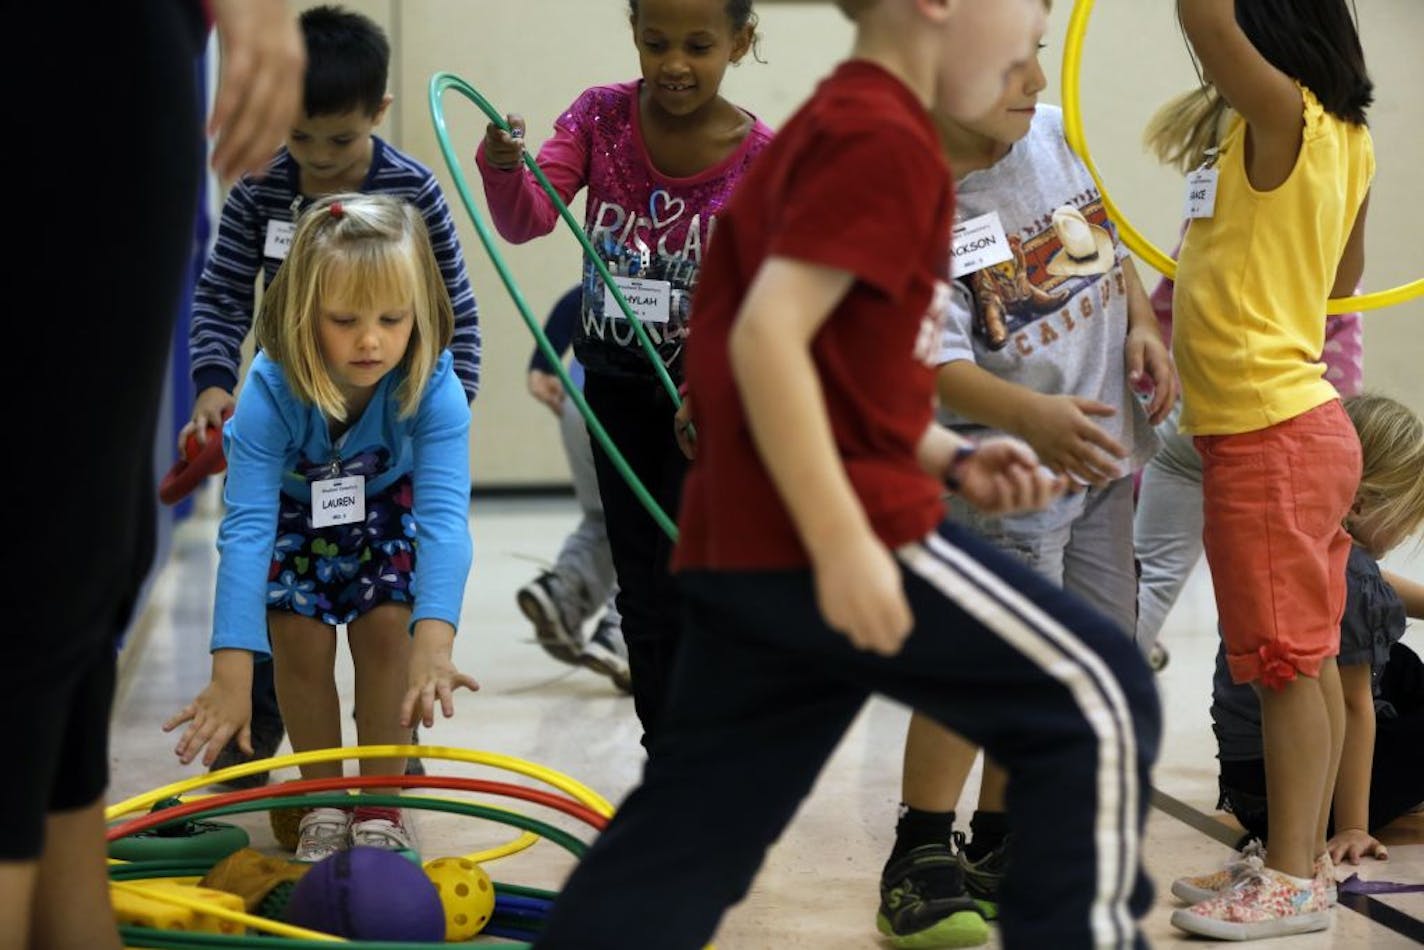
(818, 889)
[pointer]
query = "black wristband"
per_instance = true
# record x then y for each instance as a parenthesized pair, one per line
(961, 455)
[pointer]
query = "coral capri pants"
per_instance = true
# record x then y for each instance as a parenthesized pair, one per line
(1273, 504)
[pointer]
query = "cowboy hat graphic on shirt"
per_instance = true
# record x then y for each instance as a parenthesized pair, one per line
(1087, 248)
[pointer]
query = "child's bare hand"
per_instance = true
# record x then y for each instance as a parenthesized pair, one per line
(1353, 844)
(1062, 431)
(221, 711)
(1004, 476)
(505, 150)
(683, 431)
(1149, 367)
(859, 592)
(433, 676)
(207, 412)
(547, 388)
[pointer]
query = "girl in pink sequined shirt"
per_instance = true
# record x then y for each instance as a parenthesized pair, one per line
(660, 156)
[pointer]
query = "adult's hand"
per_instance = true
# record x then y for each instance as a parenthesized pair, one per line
(259, 85)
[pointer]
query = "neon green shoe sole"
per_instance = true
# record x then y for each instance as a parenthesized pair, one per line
(965, 928)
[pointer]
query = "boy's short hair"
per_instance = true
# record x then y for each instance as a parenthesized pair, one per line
(348, 59)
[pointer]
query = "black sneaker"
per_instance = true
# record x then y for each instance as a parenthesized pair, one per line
(984, 878)
(923, 904)
(266, 737)
(543, 603)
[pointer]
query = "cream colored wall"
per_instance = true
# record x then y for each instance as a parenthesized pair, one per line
(535, 56)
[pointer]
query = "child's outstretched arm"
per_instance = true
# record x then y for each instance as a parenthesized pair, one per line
(440, 481)
(518, 204)
(858, 587)
(223, 709)
(1148, 360)
(999, 476)
(1059, 428)
(1352, 840)
(1268, 99)
(433, 676)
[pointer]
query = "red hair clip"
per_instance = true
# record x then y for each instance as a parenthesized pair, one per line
(336, 209)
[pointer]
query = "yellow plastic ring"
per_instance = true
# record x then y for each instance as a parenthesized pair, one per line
(508, 763)
(1133, 238)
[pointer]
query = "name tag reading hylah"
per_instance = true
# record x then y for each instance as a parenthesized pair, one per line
(650, 300)
(978, 243)
(338, 501)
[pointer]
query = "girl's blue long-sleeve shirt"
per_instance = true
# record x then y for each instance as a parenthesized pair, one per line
(272, 434)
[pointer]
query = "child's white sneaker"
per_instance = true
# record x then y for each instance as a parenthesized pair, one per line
(1200, 887)
(386, 831)
(321, 833)
(1259, 903)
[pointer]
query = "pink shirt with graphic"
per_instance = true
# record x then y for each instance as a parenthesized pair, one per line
(643, 223)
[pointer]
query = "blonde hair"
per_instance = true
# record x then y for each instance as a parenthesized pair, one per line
(355, 251)
(1391, 494)
(1181, 132)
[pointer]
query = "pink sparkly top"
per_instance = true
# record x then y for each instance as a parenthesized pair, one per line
(644, 224)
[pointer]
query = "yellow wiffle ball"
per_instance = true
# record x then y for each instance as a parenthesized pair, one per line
(466, 892)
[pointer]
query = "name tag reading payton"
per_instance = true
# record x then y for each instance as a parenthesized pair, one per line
(338, 501)
(650, 300)
(978, 243)
(279, 239)
(1201, 193)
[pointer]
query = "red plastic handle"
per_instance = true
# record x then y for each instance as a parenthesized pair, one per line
(196, 464)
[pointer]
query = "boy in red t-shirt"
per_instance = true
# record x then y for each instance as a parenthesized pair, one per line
(814, 557)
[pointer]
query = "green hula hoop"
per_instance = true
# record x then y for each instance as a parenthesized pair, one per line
(439, 83)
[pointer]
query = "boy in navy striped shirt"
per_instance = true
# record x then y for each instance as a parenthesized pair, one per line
(331, 148)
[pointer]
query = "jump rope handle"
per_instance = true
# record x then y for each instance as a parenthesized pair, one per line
(194, 465)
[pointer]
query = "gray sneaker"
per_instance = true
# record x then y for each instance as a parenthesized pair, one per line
(543, 601)
(384, 834)
(607, 654)
(322, 833)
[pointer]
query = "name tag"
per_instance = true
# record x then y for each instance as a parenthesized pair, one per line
(279, 239)
(978, 243)
(1201, 193)
(650, 300)
(338, 501)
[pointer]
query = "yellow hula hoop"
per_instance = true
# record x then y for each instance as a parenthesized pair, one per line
(508, 763)
(1133, 238)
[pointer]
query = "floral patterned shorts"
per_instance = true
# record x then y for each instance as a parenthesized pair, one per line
(336, 574)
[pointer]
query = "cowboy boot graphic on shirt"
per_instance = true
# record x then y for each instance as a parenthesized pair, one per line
(1004, 290)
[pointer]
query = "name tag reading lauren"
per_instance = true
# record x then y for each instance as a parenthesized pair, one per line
(279, 239)
(978, 243)
(1201, 193)
(338, 501)
(650, 299)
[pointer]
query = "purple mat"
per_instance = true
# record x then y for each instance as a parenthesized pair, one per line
(1355, 885)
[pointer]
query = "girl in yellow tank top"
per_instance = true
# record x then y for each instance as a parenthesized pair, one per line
(1278, 228)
